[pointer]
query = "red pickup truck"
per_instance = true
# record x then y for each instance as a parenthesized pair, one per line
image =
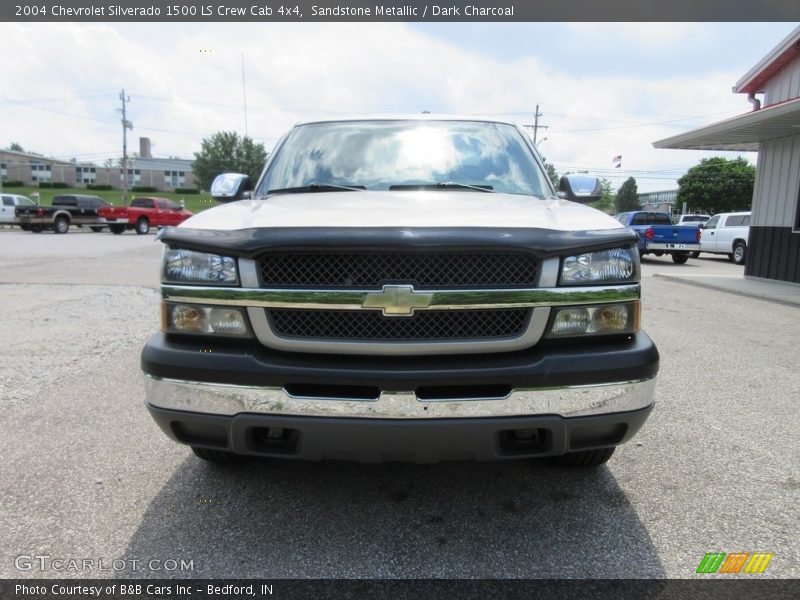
(144, 213)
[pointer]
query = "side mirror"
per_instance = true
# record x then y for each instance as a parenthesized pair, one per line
(580, 188)
(230, 186)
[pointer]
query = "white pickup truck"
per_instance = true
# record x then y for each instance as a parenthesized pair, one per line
(689, 219)
(727, 233)
(8, 206)
(401, 289)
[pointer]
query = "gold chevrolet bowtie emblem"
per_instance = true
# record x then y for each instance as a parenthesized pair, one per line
(397, 300)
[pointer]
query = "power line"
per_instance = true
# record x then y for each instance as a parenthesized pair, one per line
(296, 107)
(58, 112)
(58, 98)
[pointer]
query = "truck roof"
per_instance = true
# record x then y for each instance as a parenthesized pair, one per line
(406, 117)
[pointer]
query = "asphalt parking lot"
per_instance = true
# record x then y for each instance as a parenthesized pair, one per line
(86, 474)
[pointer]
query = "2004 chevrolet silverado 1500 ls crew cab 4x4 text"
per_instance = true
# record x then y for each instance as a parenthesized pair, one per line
(401, 289)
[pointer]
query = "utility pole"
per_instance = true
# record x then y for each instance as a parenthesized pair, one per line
(536, 126)
(125, 126)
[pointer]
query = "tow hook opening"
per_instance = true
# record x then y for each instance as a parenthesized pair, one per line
(520, 442)
(273, 440)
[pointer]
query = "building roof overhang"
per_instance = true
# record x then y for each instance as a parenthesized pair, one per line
(755, 79)
(743, 133)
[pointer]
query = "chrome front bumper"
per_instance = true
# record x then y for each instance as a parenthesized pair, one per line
(229, 400)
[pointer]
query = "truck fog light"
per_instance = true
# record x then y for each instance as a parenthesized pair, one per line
(206, 320)
(604, 319)
(227, 321)
(570, 321)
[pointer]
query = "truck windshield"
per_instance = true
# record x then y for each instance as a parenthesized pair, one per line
(406, 155)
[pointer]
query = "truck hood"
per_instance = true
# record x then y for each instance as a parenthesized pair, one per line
(372, 209)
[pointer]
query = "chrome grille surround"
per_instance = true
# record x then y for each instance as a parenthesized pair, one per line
(389, 335)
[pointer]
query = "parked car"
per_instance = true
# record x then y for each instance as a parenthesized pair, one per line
(657, 234)
(727, 233)
(66, 210)
(8, 207)
(406, 289)
(695, 220)
(143, 213)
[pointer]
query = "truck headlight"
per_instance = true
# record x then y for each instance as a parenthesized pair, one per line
(617, 265)
(188, 266)
(601, 319)
(204, 320)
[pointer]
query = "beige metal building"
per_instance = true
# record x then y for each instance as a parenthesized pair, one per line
(772, 128)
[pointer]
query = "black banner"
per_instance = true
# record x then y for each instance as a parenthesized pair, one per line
(553, 589)
(411, 10)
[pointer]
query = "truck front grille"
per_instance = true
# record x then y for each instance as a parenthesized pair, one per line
(434, 325)
(360, 270)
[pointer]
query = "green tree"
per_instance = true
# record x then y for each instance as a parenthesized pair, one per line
(15, 147)
(226, 152)
(717, 185)
(627, 196)
(606, 203)
(551, 172)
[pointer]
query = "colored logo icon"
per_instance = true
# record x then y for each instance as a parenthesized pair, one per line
(735, 562)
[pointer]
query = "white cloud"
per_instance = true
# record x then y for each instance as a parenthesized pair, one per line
(185, 82)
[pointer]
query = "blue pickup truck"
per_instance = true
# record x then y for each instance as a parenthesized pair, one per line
(657, 234)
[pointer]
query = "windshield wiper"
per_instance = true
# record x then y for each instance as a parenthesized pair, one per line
(442, 185)
(318, 187)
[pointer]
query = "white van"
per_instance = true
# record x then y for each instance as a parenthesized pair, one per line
(727, 233)
(8, 204)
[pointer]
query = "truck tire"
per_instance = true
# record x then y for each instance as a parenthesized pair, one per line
(96, 228)
(117, 229)
(586, 458)
(680, 258)
(61, 225)
(142, 226)
(739, 253)
(220, 457)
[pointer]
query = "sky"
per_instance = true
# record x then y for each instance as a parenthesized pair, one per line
(603, 89)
